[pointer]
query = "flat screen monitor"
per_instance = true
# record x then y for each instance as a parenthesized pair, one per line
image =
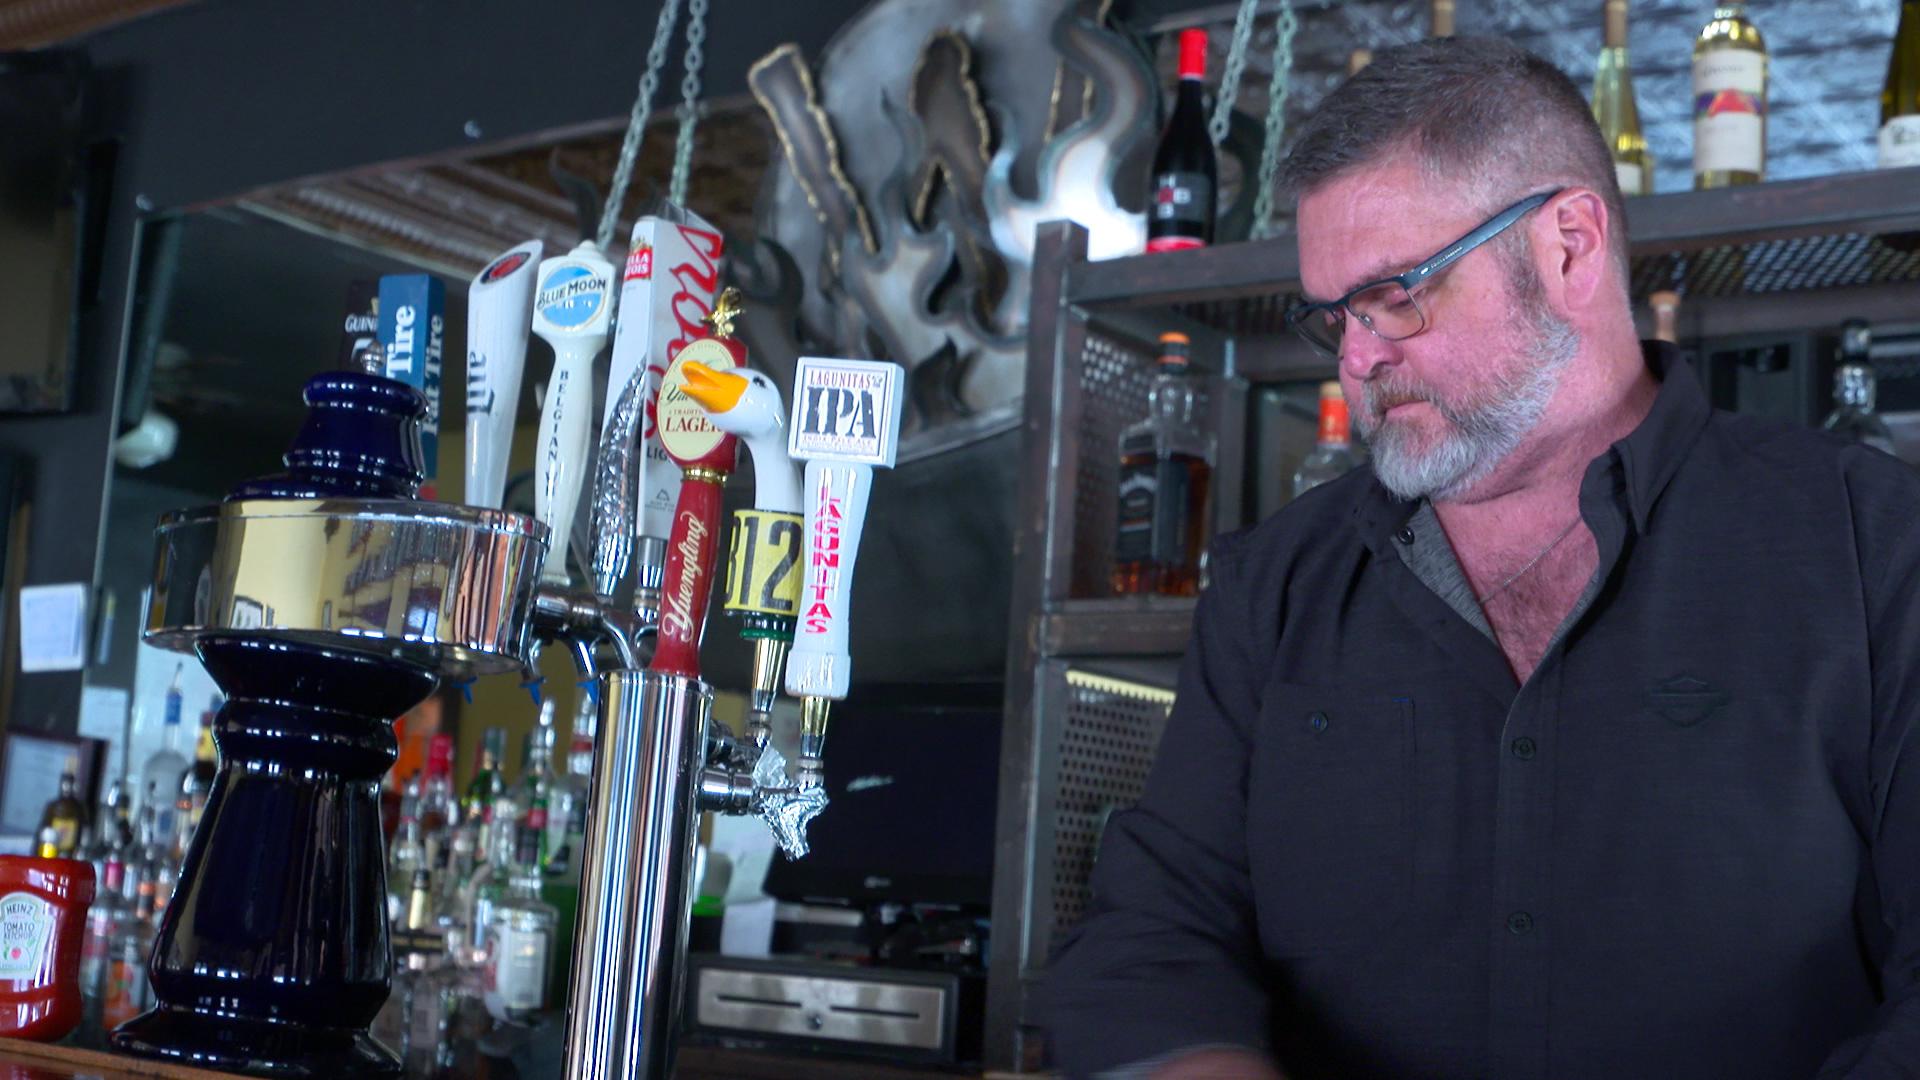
(912, 772)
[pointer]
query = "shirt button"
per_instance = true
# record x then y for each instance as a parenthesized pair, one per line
(1523, 748)
(1405, 535)
(1317, 721)
(1519, 922)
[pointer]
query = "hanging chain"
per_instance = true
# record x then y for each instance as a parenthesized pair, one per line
(637, 124)
(1283, 32)
(1230, 77)
(689, 102)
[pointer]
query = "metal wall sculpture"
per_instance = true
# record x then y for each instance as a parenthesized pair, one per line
(906, 185)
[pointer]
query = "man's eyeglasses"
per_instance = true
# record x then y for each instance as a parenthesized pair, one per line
(1387, 307)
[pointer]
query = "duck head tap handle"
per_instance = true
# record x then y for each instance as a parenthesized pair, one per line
(846, 423)
(572, 310)
(763, 570)
(705, 455)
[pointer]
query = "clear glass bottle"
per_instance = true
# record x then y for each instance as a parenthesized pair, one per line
(160, 777)
(1854, 390)
(520, 957)
(534, 800)
(1615, 110)
(1166, 483)
(438, 811)
(1332, 456)
(1729, 100)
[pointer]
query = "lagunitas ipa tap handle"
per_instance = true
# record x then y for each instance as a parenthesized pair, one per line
(705, 455)
(499, 317)
(573, 310)
(763, 570)
(846, 422)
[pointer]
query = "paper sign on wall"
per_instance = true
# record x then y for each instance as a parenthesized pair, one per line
(53, 627)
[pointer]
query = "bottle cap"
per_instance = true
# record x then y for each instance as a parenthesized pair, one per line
(1335, 421)
(1193, 54)
(1175, 348)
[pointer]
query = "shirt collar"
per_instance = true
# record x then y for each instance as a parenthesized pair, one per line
(1648, 457)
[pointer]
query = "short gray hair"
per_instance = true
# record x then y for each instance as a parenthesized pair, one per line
(1478, 112)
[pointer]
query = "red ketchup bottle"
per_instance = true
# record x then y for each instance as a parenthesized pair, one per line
(43, 919)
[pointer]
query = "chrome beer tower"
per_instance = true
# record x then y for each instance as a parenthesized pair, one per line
(328, 600)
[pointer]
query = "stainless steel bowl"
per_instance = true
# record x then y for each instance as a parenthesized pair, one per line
(445, 586)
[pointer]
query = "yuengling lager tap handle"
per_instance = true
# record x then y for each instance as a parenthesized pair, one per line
(499, 317)
(706, 456)
(573, 311)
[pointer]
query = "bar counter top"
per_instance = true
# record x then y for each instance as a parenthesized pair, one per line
(41, 1061)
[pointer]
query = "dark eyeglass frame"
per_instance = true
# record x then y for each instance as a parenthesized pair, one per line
(1447, 256)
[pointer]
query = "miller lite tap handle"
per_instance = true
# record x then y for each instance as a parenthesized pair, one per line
(573, 311)
(706, 456)
(499, 316)
(846, 422)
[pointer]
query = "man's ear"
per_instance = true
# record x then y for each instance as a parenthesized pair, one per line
(1579, 266)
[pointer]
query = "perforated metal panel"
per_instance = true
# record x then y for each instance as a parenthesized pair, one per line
(1776, 266)
(1109, 731)
(1115, 376)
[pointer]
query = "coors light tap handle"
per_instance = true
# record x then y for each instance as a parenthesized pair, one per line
(705, 455)
(846, 422)
(573, 311)
(499, 317)
(763, 569)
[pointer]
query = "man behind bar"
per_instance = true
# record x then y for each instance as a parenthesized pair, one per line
(1574, 737)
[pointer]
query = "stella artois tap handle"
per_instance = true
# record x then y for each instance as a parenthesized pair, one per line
(846, 422)
(763, 570)
(705, 455)
(573, 311)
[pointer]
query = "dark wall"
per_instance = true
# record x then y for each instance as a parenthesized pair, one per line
(226, 96)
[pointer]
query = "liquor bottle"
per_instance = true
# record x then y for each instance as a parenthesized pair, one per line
(477, 804)
(1900, 97)
(407, 857)
(1443, 18)
(1332, 454)
(535, 799)
(520, 960)
(1185, 171)
(1666, 316)
(1729, 100)
(1615, 110)
(419, 911)
(1166, 472)
(1853, 415)
(65, 815)
(485, 891)
(567, 807)
(160, 777)
(206, 765)
(437, 810)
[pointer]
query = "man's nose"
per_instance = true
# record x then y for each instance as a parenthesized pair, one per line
(1363, 353)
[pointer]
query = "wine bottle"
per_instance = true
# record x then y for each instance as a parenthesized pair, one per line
(1614, 108)
(1185, 172)
(1729, 100)
(1357, 60)
(1442, 18)
(1900, 98)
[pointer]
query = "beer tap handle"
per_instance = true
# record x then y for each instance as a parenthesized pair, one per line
(573, 311)
(615, 487)
(499, 317)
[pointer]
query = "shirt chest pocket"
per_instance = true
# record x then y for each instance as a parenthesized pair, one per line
(1328, 834)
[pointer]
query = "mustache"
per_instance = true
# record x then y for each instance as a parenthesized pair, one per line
(1389, 392)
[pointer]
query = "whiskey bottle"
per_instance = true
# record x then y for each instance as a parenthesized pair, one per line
(1854, 390)
(64, 816)
(1165, 486)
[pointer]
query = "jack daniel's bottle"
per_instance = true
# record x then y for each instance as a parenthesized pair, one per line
(1166, 473)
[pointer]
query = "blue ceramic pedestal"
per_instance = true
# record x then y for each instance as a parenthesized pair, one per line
(272, 957)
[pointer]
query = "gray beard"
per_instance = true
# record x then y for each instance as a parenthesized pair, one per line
(1482, 431)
